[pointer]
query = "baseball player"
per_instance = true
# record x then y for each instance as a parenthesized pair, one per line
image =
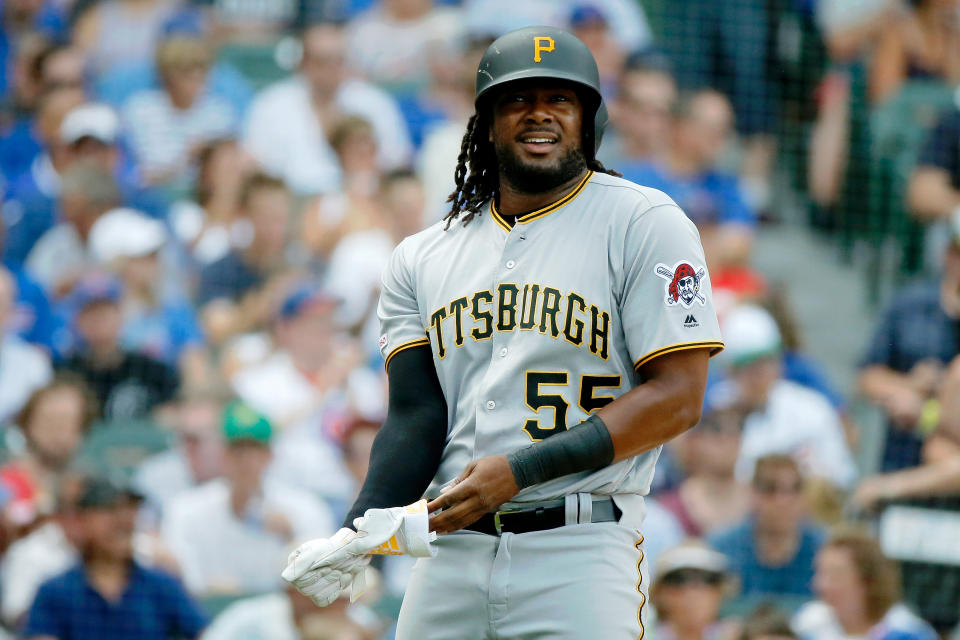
(541, 344)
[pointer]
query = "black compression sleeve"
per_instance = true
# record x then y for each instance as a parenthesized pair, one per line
(406, 452)
(583, 448)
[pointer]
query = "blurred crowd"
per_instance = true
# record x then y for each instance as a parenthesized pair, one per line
(198, 198)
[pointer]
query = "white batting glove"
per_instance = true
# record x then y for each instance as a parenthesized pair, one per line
(323, 568)
(396, 531)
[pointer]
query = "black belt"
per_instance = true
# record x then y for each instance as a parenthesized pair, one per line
(540, 518)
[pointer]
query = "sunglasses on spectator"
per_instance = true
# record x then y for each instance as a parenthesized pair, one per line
(683, 577)
(770, 488)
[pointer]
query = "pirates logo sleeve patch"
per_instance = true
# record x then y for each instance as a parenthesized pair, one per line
(683, 284)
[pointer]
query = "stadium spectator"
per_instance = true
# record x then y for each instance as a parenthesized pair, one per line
(391, 43)
(62, 253)
(781, 416)
(110, 595)
(690, 583)
(291, 615)
(938, 473)
(158, 319)
(353, 273)
(197, 456)
(933, 192)
(286, 125)
(726, 46)
(702, 126)
(61, 66)
(710, 498)
(452, 89)
(127, 384)
(236, 293)
(252, 23)
(46, 551)
(923, 41)
(916, 339)
(167, 126)
(355, 206)
(28, 209)
(52, 423)
(26, 88)
(641, 113)
(772, 550)
(309, 361)
(592, 26)
(121, 31)
(208, 225)
(89, 132)
(496, 17)
(23, 367)
(32, 318)
(230, 534)
(18, 19)
(859, 596)
(19, 142)
(767, 623)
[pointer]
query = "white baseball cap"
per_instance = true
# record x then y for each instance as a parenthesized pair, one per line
(126, 233)
(93, 120)
(691, 555)
(749, 333)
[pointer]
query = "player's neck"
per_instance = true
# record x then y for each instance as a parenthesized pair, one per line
(514, 202)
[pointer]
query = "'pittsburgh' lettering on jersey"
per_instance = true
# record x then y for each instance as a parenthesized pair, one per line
(532, 307)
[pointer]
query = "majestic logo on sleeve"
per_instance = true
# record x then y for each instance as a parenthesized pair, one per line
(683, 284)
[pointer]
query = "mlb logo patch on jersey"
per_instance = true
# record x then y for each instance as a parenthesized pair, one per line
(683, 283)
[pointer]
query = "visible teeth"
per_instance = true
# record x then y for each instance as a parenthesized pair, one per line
(538, 140)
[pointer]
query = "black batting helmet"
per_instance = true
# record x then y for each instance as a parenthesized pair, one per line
(535, 53)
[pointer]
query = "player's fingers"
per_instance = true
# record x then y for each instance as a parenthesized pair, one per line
(458, 516)
(449, 498)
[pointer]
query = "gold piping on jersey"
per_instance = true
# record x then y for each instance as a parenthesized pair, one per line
(539, 213)
(406, 345)
(715, 348)
(643, 599)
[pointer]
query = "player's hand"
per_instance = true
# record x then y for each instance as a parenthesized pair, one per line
(322, 569)
(482, 487)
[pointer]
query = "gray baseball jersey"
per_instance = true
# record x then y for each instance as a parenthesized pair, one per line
(535, 326)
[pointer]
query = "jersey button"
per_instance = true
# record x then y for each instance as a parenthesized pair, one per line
(503, 352)
(511, 264)
(491, 405)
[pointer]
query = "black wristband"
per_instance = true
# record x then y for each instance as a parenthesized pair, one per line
(586, 447)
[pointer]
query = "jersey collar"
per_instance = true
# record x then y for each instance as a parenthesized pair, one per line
(539, 213)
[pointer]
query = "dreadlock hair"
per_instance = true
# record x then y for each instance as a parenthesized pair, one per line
(481, 183)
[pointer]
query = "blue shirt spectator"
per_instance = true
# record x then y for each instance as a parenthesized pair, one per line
(154, 605)
(47, 19)
(756, 578)
(701, 130)
(914, 330)
(162, 332)
(914, 327)
(108, 595)
(33, 319)
(123, 81)
(800, 368)
(773, 549)
(230, 277)
(708, 198)
(19, 145)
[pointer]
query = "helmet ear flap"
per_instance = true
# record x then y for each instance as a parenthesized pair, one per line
(600, 121)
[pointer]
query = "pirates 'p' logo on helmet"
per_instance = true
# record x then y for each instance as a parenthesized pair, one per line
(683, 283)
